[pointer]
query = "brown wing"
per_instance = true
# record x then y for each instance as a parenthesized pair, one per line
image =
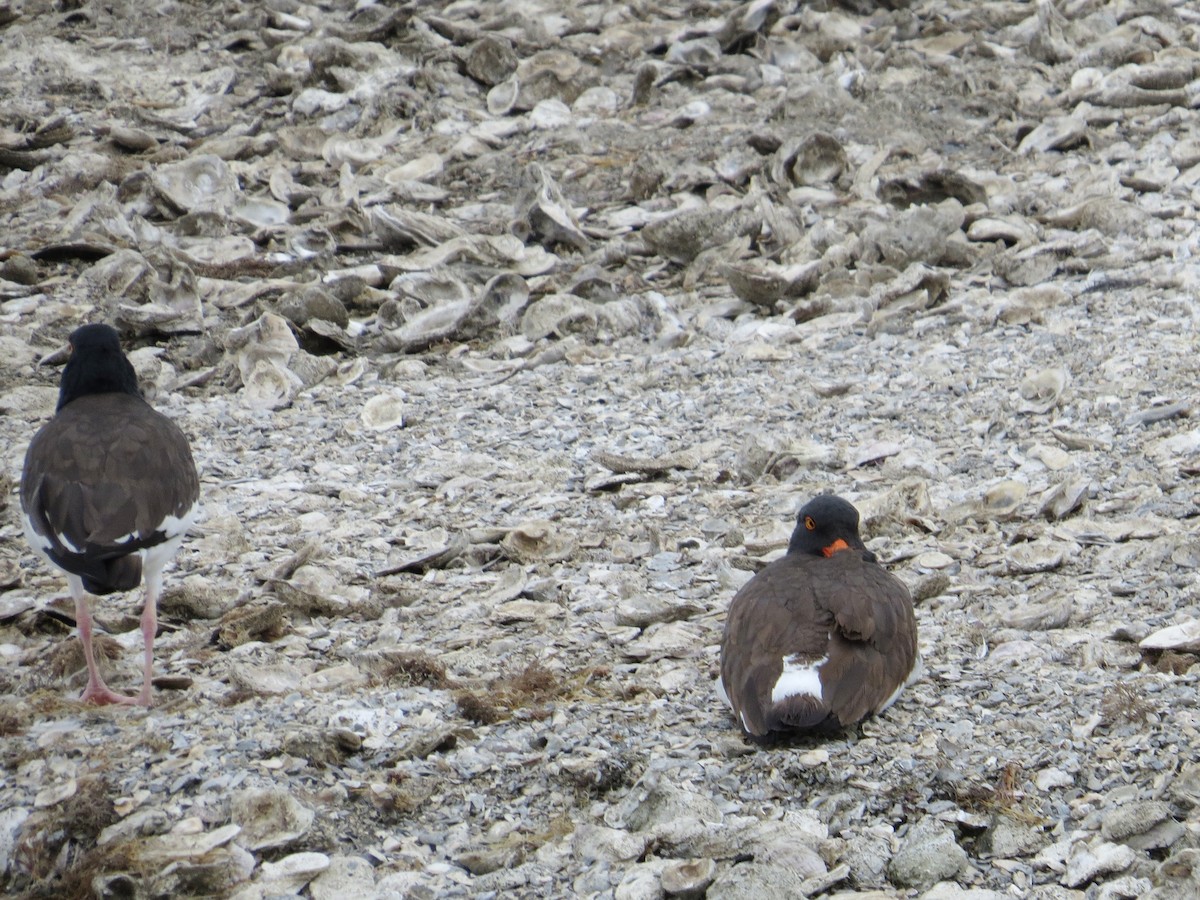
(874, 646)
(104, 479)
(774, 616)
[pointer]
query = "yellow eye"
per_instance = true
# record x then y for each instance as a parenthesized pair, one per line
(809, 523)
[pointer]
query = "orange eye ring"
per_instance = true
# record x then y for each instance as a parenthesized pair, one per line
(809, 523)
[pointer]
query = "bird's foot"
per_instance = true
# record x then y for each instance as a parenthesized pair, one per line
(102, 695)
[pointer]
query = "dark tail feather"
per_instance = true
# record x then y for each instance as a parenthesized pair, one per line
(798, 711)
(111, 575)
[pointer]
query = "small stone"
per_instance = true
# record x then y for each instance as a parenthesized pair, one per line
(1050, 778)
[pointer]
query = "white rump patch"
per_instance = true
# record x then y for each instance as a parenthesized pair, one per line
(799, 679)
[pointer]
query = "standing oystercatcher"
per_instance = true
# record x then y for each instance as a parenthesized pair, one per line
(108, 490)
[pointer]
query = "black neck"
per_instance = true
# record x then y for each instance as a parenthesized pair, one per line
(96, 371)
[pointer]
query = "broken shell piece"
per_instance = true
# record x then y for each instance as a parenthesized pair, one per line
(1041, 391)
(1037, 556)
(1053, 458)
(537, 540)
(384, 411)
(1184, 637)
(685, 235)
(437, 306)
(817, 159)
(1001, 500)
(262, 213)
(261, 351)
(762, 283)
(422, 168)
(201, 183)
(502, 99)
(435, 550)
(398, 227)
(490, 59)
(543, 212)
(355, 152)
(269, 385)
(558, 314)
(1065, 497)
(874, 453)
(623, 463)
(1010, 230)
(422, 328)
(1061, 133)
(269, 817)
(549, 74)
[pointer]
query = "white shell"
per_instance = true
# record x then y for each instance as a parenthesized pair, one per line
(383, 411)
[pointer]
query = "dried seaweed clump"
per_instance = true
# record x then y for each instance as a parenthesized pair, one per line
(57, 856)
(532, 686)
(1124, 704)
(411, 670)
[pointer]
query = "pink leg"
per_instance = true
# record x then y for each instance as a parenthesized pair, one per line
(96, 691)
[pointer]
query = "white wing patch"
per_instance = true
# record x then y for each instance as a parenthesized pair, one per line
(722, 693)
(171, 527)
(798, 679)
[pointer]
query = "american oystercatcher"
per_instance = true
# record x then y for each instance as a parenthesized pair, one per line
(108, 491)
(822, 637)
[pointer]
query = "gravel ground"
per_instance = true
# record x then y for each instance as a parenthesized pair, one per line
(510, 337)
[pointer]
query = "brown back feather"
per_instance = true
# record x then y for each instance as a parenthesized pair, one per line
(105, 467)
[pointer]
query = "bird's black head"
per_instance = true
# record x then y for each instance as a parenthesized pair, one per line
(96, 366)
(825, 525)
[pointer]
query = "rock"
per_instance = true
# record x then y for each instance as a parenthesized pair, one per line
(219, 871)
(946, 890)
(1132, 819)
(344, 876)
(1088, 862)
(928, 854)
(291, 873)
(1009, 838)
(592, 843)
(755, 880)
(269, 817)
(868, 855)
(11, 821)
(641, 881)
